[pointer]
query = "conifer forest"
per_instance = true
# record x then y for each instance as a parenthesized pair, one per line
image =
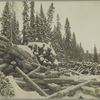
(40, 60)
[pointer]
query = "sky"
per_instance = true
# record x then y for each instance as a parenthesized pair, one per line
(84, 18)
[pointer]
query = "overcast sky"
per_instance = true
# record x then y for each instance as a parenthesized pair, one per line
(84, 18)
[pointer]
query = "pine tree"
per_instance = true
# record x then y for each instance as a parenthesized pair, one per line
(25, 31)
(95, 58)
(67, 40)
(6, 21)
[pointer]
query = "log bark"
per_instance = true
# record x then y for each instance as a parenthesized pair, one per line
(3, 66)
(54, 80)
(75, 72)
(33, 84)
(88, 90)
(37, 75)
(67, 90)
(54, 87)
(32, 72)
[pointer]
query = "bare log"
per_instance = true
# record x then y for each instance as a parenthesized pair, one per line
(88, 90)
(67, 90)
(3, 66)
(75, 72)
(54, 80)
(54, 87)
(33, 84)
(32, 72)
(37, 75)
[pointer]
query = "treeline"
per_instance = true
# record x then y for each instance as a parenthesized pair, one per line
(38, 27)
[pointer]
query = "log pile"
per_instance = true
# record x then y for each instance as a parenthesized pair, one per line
(48, 80)
(85, 67)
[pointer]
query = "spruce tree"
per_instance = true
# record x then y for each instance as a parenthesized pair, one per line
(43, 24)
(67, 39)
(32, 16)
(15, 29)
(32, 21)
(6, 21)
(81, 53)
(57, 39)
(74, 48)
(95, 57)
(26, 30)
(50, 14)
(49, 21)
(38, 29)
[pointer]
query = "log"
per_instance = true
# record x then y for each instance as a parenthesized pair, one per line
(2, 54)
(75, 72)
(33, 84)
(3, 66)
(43, 80)
(1, 61)
(4, 38)
(32, 72)
(67, 90)
(38, 75)
(54, 80)
(38, 67)
(54, 87)
(88, 90)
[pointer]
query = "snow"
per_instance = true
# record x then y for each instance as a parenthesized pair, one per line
(19, 93)
(26, 48)
(40, 44)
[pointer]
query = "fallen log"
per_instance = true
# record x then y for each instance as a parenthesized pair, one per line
(3, 66)
(32, 72)
(38, 68)
(44, 80)
(1, 61)
(33, 84)
(4, 38)
(37, 75)
(67, 90)
(88, 90)
(54, 87)
(75, 72)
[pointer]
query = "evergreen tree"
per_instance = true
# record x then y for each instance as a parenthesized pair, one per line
(50, 14)
(25, 31)
(42, 15)
(43, 24)
(15, 29)
(74, 47)
(81, 57)
(32, 21)
(6, 21)
(38, 29)
(67, 40)
(95, 57)
(32, 16)
(49, 22)
(57, 39)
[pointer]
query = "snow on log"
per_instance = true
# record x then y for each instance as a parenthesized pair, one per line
(67, 90)
(33, 84)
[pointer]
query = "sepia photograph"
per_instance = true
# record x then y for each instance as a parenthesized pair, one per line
(49, 49)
